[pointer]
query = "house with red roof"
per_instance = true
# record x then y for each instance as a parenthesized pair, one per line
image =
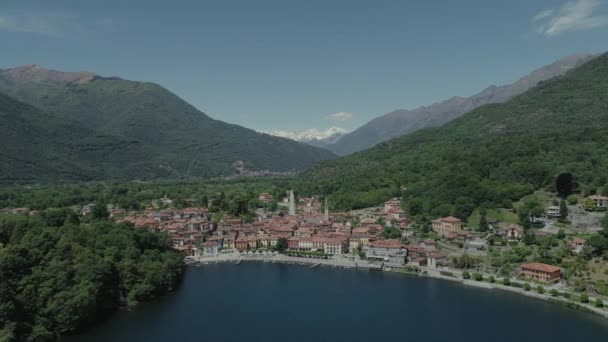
(540, 272)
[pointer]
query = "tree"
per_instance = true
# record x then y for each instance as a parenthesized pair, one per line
(529, 239)
(563, 210)
(561, 234)
(55, 217)
(564, 184)
(281, 245)
(483, 222)
(531, 208)
(391, 233)
(72, 218)
(247, 218)
(588, 204)
(572, 199)
(100, 211)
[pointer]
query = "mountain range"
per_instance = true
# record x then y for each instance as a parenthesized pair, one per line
(81, 126)
(403, 121)
(314, 137)
(490, 156)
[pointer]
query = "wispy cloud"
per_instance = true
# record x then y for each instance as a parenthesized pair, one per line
(340, 116)
(572, 16)
(49, 24)
(55, 24)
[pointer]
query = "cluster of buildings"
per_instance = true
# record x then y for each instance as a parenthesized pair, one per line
(309, 227)
(312, 229)
(24, 211)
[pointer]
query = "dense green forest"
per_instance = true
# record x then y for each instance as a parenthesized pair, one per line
(60, 275)
(137, 195)
(70, 127)
(490, 157)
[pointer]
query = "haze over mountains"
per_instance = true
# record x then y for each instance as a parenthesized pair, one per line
(403, 121)
(81, 126)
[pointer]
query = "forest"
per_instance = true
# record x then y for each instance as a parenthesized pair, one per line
(60, 275)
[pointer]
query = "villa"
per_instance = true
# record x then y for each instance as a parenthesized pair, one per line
(540, 272)
(514, 232)
(447, 225)
(553, 211)
(599, 201)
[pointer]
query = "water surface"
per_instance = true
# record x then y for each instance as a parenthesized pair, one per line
(272, 302)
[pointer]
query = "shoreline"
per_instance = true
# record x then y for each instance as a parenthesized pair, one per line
(424, 272)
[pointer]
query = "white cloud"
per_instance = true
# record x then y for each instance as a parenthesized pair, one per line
(543, 14)
(572, 16)
(309, 134)
(340, 116)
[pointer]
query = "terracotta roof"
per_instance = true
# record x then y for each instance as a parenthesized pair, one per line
(537, 266)
(451, 219)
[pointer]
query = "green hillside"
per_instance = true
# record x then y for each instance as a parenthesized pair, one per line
(139, 130)
(492, 155)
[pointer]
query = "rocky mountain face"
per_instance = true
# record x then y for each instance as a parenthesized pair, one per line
(403, 121)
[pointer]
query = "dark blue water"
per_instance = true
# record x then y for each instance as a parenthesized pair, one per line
(269, 302)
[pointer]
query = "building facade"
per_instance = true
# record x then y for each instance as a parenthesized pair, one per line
(447, 225)
(540, 272)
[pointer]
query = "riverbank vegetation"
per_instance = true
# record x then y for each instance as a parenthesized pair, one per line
(59, 274)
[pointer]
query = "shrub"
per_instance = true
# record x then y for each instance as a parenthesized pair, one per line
(540, 289)
(506, 281)
(527, 287)
(584, 298)
(572, 199)
(566, 295)
(599, 303)
(492, 280)
(554, 293)
(466, 275)
(478, 276)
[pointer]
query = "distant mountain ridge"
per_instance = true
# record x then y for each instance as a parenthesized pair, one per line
(165, 136)
(314, 137)
(402, 121)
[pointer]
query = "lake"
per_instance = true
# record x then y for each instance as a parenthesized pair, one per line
(273, 302)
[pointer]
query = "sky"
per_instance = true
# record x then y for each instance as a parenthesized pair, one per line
(295, 66)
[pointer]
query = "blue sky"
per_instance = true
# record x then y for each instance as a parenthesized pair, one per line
(296, 65)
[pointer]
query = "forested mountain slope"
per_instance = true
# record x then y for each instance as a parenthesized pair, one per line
(403, 121)
(492, 155)
(174, 138)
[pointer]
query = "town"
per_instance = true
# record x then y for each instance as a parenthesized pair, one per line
(381, 238)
